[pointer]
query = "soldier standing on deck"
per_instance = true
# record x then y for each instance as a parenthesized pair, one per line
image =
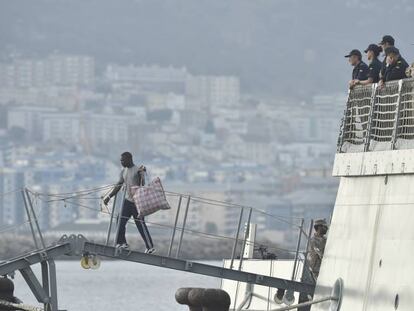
(317, 247)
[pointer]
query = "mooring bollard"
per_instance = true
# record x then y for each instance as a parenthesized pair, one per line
(7, 290)
(181, 296)
(204, 299)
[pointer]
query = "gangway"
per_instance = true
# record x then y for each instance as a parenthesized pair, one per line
(79, 246)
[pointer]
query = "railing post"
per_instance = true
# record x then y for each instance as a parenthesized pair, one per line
(371, 112)
(119, 215)
(306, 276)
(246, 234)
(29, 219)
(183, 229)
(108, 235)
(297, 249)
(35, 218)
(308, 241)
(236, 238)
(175, 225)
(397, 116)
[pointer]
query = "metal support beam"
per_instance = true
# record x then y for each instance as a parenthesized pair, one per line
(297, 249)
(45, 282)
(246, 234)
(183, 229)
(111, 220)
(118, 217)
(53, 285)
(29, 218)
(198, 268)
(35, 218)
(27, 260)
(236, 238)
(177, 214)
(45, 276)
(34, 285)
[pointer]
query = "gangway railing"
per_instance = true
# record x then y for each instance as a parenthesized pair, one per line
(378, 119)
(182, 222)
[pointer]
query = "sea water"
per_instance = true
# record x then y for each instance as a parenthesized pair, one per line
(116, 285)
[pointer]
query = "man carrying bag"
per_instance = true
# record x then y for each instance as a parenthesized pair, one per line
(132, 176)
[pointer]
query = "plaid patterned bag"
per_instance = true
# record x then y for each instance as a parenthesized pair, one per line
(150, 199)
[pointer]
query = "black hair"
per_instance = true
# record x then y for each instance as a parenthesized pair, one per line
(127, 155)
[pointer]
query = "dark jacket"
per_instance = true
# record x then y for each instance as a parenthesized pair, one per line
(360, 72)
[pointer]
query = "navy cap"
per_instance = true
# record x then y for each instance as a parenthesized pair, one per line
(392, 50)
(354, 52)
(387, 39)
(374, 48)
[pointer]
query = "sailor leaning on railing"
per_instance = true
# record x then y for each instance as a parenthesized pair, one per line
(393, 66)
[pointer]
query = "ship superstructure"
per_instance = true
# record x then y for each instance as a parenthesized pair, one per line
(371, 238)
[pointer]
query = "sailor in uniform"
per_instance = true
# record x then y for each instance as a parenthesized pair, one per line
(396, 65)
(360, 71)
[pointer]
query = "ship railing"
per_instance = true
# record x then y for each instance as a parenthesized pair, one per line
(378, 119)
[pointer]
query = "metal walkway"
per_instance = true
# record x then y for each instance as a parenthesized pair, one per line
(78, 246)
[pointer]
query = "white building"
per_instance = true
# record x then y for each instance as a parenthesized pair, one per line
(12, 181)
(29, 119)
(145, 73)
(61, 127)
(216, 91)
(56, 69)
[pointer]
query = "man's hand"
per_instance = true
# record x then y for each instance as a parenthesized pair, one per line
(106, 200)
(381, 84)
(352, 83)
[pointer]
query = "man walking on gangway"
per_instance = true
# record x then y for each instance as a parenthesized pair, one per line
(131, 175)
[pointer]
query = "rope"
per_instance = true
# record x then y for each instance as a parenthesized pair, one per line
(10, 192)
(13, 227)
(60, 196)
(186, 230)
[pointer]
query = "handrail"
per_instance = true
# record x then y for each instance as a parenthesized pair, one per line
(377, 119)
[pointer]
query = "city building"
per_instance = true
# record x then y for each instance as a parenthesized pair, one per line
(55, 69)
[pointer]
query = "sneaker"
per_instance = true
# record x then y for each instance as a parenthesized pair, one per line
(123, 246)
(150, 250)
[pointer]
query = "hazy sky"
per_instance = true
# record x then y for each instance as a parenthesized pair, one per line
(283, 47)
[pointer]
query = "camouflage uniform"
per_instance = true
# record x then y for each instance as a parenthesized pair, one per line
(316, 249)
